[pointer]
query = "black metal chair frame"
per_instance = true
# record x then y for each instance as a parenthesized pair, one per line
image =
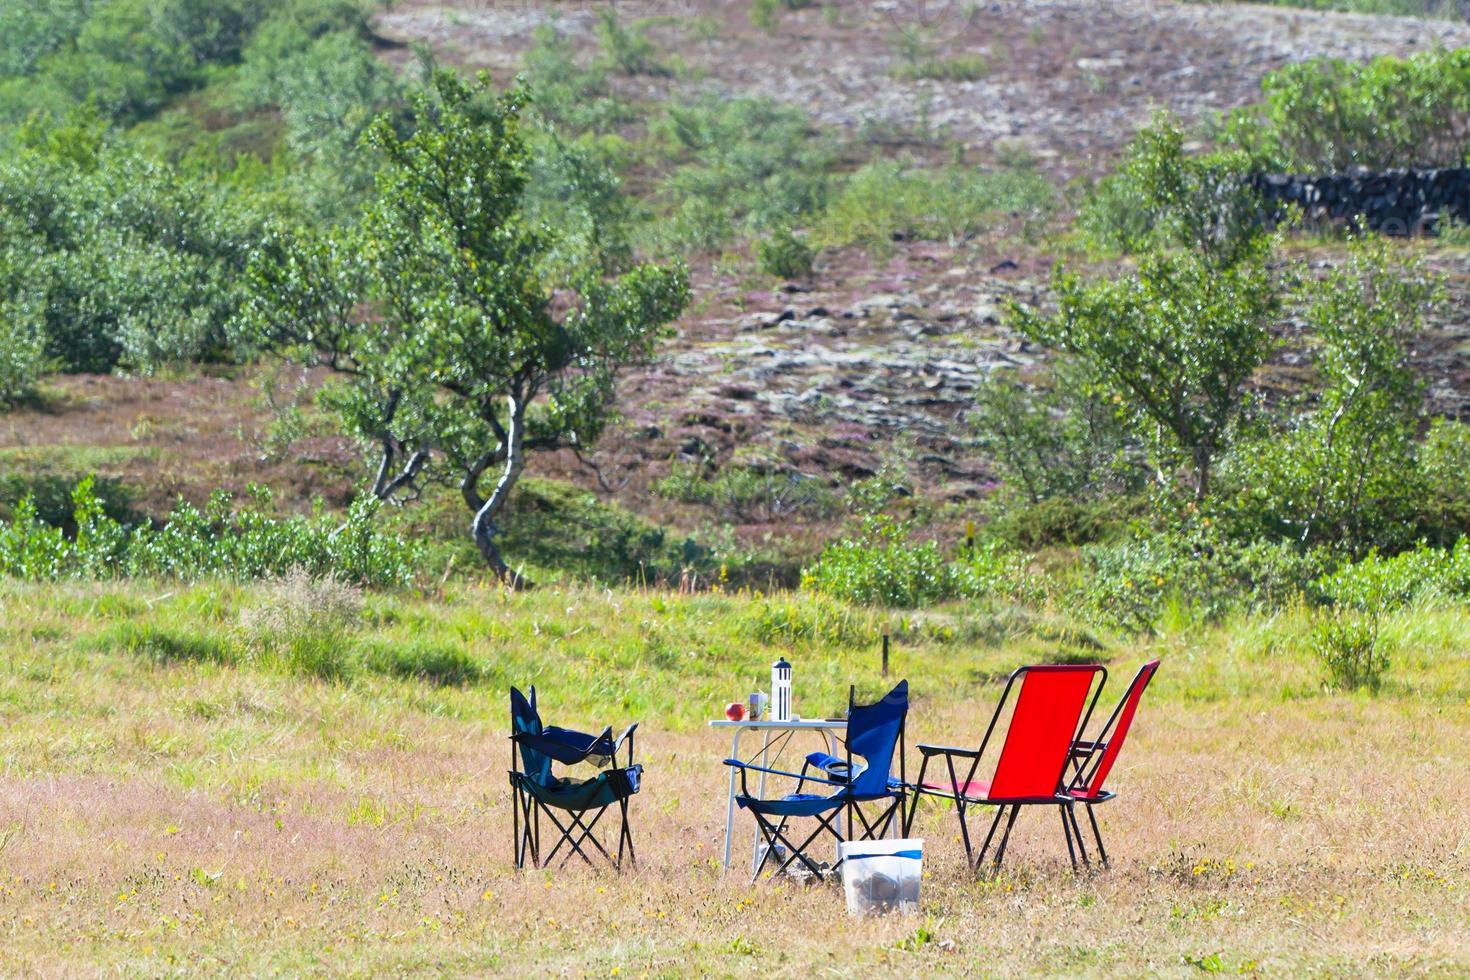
(528, 810)
(1087, 755)
(774, 833)
(962, 802)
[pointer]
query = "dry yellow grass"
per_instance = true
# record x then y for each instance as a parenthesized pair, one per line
(201, 818)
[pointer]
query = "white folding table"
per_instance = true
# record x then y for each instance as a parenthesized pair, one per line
(828, 727)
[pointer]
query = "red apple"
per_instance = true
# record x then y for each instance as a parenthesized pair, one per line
(735, 710)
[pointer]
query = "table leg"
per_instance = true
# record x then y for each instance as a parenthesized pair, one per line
(730, 803)
(755, 847)
(832, 751)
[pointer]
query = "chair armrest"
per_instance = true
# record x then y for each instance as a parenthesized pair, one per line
(744, 766)
(929, 750)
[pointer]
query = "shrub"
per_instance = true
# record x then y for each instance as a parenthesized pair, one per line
(764, 13)
(1329, 115)
(751, 494)
(242, 544)
(566, 93)
(1175, 344)
(628, 50)
(556, 525)
(1065, 521)
(1064, 440)
(739, 165)
(1444, 468)
(784, 255)
(881, 566)
(1351, 649)
(115, 257)
(919, 61)
(1343, 472)
(1163, 198)
(1376, 583)
(890, 200)
(1132, 585)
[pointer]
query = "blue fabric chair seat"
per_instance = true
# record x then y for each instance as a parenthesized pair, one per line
(793, 804)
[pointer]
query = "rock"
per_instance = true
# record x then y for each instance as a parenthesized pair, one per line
(696, 450)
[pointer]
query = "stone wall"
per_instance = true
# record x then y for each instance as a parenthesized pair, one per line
(1394, 202)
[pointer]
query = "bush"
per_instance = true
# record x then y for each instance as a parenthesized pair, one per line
(628, 50)
(244, 544)
(1133, 585)
(919, 61)
(1163, 198)
(883, 567)
(1064, 440)
(764, 13)
(1065, 521)
(891, 200)
(784, 255)
(114, 257)
(1343, 472)
(566, 93)
(559, 526)
(740, 165)
(751, 494)
(1375, 583)
(1329, 115)
(1444, 469)
(1351, 649)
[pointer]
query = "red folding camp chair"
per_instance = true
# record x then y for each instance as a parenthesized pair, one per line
(1093, 760)
(1050, 712)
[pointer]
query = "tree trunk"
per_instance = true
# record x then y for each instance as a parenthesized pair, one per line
(483, 527)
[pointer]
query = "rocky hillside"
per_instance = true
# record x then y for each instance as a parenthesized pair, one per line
(873, 356)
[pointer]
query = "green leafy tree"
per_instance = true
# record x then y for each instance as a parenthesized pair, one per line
(1067, 439)
(1176, 343)
(1343, 472)
(460, 357)
(116, 257)
(1164, 198)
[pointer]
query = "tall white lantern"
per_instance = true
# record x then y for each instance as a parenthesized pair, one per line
(781, 690)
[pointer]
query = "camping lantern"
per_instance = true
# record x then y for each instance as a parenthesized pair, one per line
(781, 690)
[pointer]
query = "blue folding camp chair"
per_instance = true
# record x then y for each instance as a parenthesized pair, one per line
(537, 791)
(875, 733)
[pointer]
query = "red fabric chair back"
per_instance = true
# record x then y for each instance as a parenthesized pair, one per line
(1124, 720)
(1043, 725)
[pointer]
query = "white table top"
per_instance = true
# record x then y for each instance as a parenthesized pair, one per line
(811, 723)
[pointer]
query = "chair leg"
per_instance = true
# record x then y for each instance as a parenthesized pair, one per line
(1071, 815)
(1067, 832)
(587, 835)
(1000, 812)
(774, 834)
(959, 809)
(515, 824)
(1000, 852)
(1097, 835)
(625, 835)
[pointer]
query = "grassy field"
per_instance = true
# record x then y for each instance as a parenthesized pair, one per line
(250, 780)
